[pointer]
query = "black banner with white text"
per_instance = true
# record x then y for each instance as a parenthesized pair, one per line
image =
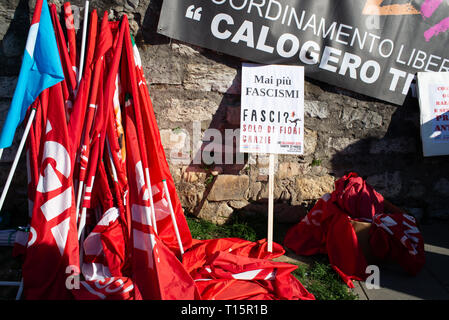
(372, 47)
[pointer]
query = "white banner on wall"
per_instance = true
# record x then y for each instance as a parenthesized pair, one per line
(433, 90)
(272, 109)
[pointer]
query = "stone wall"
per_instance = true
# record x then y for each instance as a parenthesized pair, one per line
(195, 90)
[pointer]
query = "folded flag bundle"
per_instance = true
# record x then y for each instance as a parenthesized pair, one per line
(328, 229)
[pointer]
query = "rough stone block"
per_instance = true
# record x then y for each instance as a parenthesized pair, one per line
(288, 170)
(191, 110)
(316, 109)
(395, 145)
(314, 187)
(229, 187)
(365, 118)
(238, 204)
(253, 191)
(216, 77)
(310, 141)
(215, 212)
(173, 139)
(389, 184)
(343, 145)
(190, 195)
(160, 65)
(193, 176)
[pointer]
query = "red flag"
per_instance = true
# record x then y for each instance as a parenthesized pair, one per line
(33, 144)
(118, 172)
(270, 280)
(53, 244)
(236, 269)
(157, 272)
(357, 198)
(69, 82)
(78, 114)
(105, 248)
(154, 159)
(95, 265)
(197, 255)
(113, 288)
(117, 169)
(328, 230)
(95, 118)
(397, 237)
(32, 152)
(71, 36)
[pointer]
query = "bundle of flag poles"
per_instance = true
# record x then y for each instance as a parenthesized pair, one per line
(105, 218)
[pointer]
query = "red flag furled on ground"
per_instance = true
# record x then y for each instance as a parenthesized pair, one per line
(357, 198)
(236, 269)
(397, 237)
(327, 229)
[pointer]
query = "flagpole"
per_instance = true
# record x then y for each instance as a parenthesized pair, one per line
(270, 201)
(80, 75)
(19, 292)
(78, 199)
(150, 191)
(17, 157)
(172, 213)
(83, 41)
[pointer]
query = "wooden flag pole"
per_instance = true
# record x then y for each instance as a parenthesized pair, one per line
(270, 201)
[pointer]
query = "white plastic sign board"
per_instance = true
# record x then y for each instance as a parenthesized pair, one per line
(433, 91)
(272, 109)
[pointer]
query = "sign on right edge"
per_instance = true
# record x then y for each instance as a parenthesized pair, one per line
(433, 90)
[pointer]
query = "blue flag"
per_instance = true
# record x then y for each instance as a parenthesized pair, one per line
(41, 68)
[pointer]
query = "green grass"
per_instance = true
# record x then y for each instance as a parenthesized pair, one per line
(203, 230)
(319, 278)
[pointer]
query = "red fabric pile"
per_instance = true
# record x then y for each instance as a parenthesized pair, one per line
(396, 237)
(327, 229)
(236, 269)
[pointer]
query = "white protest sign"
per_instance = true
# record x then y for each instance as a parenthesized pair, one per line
(272, 109)
(433, 90)
(272, 117)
